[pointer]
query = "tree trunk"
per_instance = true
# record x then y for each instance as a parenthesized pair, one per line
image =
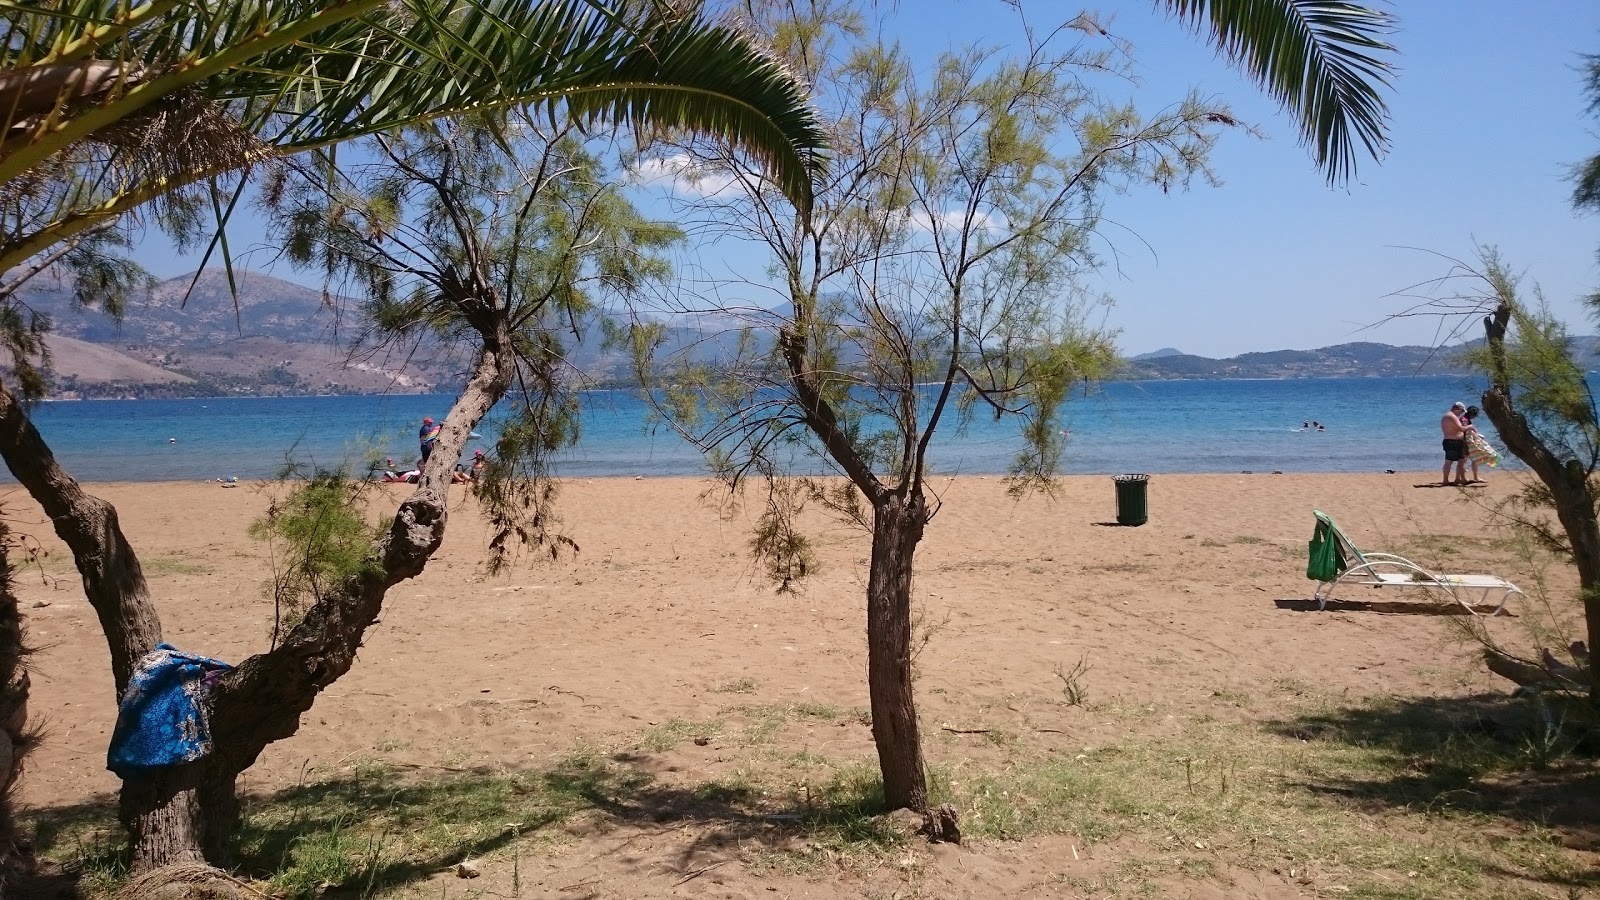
(113, 582)
(896, 529)
(16, 858)
(188, 813)
(182, 816)
(1568, 481)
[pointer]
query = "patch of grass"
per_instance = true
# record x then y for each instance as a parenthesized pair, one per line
(91, 848)
(1288, 684)
(1412, 799)
(371, 833)
(741, 686)
(1121, 568)
(827, 712)
(849, 808)
(766, 721)
(1249, 539)
(1212, 542)
(764, 726)
(1379, 800)
(673, 732)
(1232, 697)
(739, 790)
(159, 566)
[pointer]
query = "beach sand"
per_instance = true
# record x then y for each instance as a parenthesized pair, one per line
(661, 617)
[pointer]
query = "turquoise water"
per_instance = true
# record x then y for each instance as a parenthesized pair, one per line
(1372, 424)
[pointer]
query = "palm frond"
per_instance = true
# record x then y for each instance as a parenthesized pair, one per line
(577, 58)
(1324, 60)
(302, 74)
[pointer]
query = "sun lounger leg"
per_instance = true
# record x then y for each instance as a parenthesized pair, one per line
(1505, 597)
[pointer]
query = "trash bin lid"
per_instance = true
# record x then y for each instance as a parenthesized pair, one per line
(1130, 478)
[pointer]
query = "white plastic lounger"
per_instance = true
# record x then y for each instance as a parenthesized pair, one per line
(1350, 566)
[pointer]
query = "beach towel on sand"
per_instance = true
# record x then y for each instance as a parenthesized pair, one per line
(161, 719)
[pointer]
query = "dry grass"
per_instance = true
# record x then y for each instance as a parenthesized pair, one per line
(1407, 800)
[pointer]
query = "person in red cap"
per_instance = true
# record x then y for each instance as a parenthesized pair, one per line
(428, 434)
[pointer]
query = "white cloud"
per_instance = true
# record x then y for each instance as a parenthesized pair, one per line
(954, 220)
(677, 174)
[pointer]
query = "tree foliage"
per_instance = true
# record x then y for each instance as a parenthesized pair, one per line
(938, 275)
(1586, 176)
(482, 226)
(320, 539)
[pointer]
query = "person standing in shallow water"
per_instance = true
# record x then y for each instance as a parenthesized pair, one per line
(428, 434)
(1455, 444)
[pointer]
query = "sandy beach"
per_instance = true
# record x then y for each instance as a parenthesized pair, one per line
(661, 619)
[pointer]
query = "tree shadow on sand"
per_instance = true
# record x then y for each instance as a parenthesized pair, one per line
(382, 828)
(1388, 607)
(1489, 755)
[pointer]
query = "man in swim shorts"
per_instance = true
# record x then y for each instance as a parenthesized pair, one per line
(1455, 444)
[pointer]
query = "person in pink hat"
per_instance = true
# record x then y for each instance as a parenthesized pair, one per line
(469, 474)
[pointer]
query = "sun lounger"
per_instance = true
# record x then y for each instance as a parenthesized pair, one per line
(1336, 562)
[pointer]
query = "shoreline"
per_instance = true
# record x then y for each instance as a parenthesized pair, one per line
(1502, 473)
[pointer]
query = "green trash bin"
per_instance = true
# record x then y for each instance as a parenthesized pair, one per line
(1132, 505)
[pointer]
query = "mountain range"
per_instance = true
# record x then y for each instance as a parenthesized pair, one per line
(190, 337)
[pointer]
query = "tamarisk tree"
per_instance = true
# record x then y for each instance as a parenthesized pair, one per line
(936, 275)
(935, 278)
(85, 83)
(1544, 410)
(495, 236)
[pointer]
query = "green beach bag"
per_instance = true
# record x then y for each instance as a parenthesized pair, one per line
(1326, 561)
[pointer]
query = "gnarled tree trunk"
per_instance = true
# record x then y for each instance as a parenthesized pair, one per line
(188, 813)
(16, 857)
(896, 529)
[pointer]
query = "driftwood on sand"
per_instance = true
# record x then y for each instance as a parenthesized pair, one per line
(1549, 673)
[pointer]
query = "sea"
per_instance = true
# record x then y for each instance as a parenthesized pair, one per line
(1232, 425)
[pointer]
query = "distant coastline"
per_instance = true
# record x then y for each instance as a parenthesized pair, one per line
(1365, 360)
(193, 337)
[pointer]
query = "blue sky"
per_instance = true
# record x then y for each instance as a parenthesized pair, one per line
(1487, 119)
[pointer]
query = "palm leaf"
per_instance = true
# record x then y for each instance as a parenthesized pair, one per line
(455, 58)
(304, 74)
(1324, 60)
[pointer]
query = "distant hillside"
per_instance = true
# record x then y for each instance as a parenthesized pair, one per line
(284, 338)
(75, 361)
(279, 338)
(1163, 353)
(1363, 358)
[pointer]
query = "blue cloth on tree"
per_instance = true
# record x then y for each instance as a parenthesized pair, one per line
(161, 719)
